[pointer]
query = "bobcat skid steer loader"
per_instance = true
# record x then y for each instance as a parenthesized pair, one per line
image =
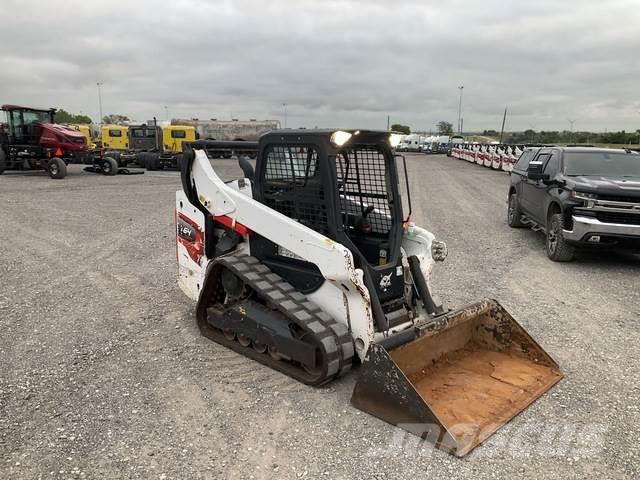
(308, 263)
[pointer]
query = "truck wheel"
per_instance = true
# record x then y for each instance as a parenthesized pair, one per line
(3, 161)
(513, 213)
(557, 247)
(109, 166)
(149, 162)
(153, 162)
(57, 168)
(141, 159)
(116, 156)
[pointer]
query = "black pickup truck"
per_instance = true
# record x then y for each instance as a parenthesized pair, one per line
(577, 196)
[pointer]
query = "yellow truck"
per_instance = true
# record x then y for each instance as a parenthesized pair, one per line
(173, 136)
(114, 137)
(86, 131)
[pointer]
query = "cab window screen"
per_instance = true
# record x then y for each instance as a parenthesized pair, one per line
(362, 183)
(293, 187)
(115, 133)
(178, 134)
(291, 163)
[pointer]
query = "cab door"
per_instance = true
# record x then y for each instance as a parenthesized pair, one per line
(174, 138)
(16, 126)
(542, 192)
(519, 177)
(114, 137)
(119, 138)
(534, 191)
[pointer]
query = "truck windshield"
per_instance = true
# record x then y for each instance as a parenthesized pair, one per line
(31, 116)
(143, 132)
(602, 164)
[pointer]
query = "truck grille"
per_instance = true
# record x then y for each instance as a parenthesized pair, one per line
(616, 217)
(616, 198)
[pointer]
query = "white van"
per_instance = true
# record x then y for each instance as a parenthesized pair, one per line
(411, 143)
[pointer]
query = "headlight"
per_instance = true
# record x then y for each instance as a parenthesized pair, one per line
(583, 195)
(394, 140)
(340, 137)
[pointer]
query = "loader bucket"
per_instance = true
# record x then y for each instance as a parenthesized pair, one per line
(460, 379)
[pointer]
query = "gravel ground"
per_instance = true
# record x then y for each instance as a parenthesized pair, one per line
(104, 374)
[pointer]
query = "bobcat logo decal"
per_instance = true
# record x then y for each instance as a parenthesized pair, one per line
(385, 282)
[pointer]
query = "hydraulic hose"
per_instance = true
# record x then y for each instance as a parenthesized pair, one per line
(421, 286)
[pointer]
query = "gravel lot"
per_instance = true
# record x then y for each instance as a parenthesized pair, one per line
(104, 374)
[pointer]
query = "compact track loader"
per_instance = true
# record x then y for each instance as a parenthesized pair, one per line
(309, 263)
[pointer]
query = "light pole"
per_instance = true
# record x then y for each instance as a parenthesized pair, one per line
(284, 107)
(571, 122)
(99, 84)
(504, 119)
(461, 88)
(166, 113)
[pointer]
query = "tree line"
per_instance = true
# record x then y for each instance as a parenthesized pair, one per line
(444, 128)
(543, 137)
(62, 116)
(549, 137)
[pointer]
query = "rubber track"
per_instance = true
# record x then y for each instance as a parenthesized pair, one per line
(331, 337)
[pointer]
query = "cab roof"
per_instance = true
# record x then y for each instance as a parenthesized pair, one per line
(324, 133)
(9, 107)
(584, 149)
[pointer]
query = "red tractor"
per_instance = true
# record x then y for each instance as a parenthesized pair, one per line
(30, 140)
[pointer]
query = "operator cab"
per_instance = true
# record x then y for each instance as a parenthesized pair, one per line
(25, 124)
(342, 184)
(144, 137)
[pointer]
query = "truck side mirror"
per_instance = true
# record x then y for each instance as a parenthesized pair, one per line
(534, 171)
(539, 176)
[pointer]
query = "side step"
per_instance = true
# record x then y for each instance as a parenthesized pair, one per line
(536, 227)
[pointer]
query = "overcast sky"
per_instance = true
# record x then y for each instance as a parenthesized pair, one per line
(334, 63)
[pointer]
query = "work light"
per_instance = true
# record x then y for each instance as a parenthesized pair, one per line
(340, 137)
(394, 140)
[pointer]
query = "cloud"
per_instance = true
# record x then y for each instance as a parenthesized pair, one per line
(334, 63)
